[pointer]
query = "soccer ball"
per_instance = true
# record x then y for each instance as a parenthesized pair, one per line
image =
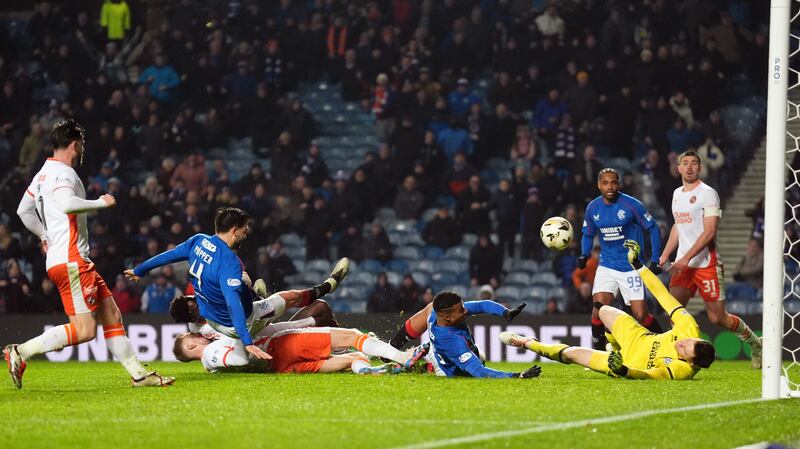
(556, 233)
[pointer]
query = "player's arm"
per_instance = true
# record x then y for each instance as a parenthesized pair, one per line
(657, 288)
(645, 220)
(177, 254)
(679, 370)
(670, 247)
(224, 353)
(68, 203)
(492, 308)
(27, 213)
(457, 351)
(588, 232)
(230, 283)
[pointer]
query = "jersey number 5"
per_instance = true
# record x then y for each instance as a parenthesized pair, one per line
(197, 274)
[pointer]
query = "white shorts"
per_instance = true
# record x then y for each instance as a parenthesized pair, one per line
(611, 281)
(264, 312)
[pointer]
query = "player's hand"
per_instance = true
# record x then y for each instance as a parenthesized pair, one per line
(45, 246)
(510, 314)
(663, 260)
(582, 262)
(616, 365)
(109, 200)
(530, 373)
(678, 266)
(256, 352)
(131, 276)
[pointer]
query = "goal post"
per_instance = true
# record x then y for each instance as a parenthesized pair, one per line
(774, 193)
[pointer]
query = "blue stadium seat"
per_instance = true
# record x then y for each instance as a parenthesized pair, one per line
(432, 252)
(414, 239)
(405, 226)
(737, 307)
(442, 278)
(371, 266)
(291, 239)
(557, 292)
(457, 252)
(450, 265)
(546, 266)
(398, 239)
(296, 252)
(385, 214)
(458, 289)
(363, 277)
(755, 308)
(509, 293)
(740, 291)
(397, 265)
(407, 253)
(422, 265)
(394, 277)
(536, 291)
(518, 278)
(322, 265)
(423, 278)
(544, 278)
(534, 308)
(792, 306)
(527, 265)
(469, 240)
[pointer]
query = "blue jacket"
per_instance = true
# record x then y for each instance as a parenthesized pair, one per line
(162, 76)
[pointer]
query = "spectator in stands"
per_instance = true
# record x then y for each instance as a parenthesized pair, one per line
(351, 244)
(509, 209)
(431, 155)
(427, 296)
(158, 295)
(454, 139)
(15, 290)
(115, 17)
(442, 231)
(314, 168)
(278, 266)
(384, 298)
(409, 295)
(32, 147)
(191, 173)
(757, 215)
(525, 149)
(581, 301)
(751, 266)
(124, 297)
(472, 207)
(485, 263)
(532, 216)
(547, 114)
(551, 307)
(382, 99)
(679, 136)
(10, 247)
(713, 161)
(318, 229)
(589, 164)
(161, 78)
(461, 99)
(409, 201)
(48, 300)
(405, 142)
(586, 275)
(377, 245)
(486, 292)
(383, 177)
(456, 178)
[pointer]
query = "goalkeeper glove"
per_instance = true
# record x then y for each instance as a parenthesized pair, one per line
(616, 365)
(530, 373)
(582, 262)
(654, 268)
(510, 314)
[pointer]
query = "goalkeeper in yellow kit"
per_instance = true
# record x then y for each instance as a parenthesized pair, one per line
(638, 353)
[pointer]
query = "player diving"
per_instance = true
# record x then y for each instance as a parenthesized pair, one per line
(678, 354)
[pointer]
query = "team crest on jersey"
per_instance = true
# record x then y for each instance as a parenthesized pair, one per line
(596, 217)
(90, 294)
(621, 214)
(648, 217)
(667, 360)
(693, 199)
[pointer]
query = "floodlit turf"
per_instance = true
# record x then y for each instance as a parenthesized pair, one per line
(91, 405)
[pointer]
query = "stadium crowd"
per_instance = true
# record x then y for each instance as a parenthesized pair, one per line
(159, 84)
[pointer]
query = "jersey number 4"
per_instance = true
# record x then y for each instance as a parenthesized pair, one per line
(197, 273)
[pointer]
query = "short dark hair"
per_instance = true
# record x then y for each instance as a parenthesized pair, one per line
(445, 300)
(608, 170)
(690, 153)
(177, 348)
(704, 354)
(179, 309)
(65, 132)
(227, 218)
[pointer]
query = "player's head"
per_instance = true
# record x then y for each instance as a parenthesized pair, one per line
(608, 183)
(183, 309)
(234, 221)
(69, 136)
(449, 307)
(689, 166)
(189, 346)
(696, 351)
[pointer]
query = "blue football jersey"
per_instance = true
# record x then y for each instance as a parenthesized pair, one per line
(452, 348)
(623, 219)
(216, 275)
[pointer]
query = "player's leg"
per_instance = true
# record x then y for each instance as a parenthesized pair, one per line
(346, 338)
(633, 294)
(681, 286)
(319, 311)
(586, 357)
(338, 363)
(117, 341)
(598, 330)
(412, 328)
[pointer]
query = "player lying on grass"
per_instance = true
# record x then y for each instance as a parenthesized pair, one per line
(453, 351)
(297, 349)
(216, 275)
(677, 354)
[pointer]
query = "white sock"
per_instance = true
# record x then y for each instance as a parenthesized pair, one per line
(52, 339)
(376, 348)
(360, 364)
(305, 322)
(744, 332)
(121, 348)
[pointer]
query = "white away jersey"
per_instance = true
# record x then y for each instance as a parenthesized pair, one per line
(66, 234)
(688, 210)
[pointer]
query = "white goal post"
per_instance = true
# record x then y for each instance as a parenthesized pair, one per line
(776, 377)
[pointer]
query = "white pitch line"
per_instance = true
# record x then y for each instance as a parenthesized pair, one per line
(568, 425)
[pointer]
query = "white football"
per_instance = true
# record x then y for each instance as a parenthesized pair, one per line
(556, 233)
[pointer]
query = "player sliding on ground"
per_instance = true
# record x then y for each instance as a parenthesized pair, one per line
(677, 354)
(216, 275)
(54, 208)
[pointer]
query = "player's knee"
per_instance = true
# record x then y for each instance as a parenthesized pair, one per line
(716, 318)
(85, 331)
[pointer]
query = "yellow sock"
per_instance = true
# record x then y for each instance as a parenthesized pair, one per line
(599, 362)
(551, 351)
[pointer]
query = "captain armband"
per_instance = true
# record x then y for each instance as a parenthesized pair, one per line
(712, 211)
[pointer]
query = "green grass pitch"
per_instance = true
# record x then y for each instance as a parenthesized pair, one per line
(91, 405)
